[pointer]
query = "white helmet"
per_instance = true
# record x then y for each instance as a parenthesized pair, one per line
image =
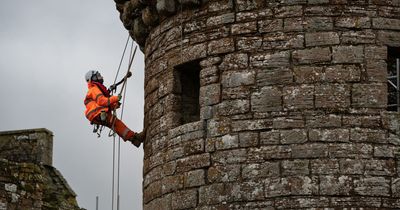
(90, 74)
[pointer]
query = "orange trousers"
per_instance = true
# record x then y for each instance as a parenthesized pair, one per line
(116, 125)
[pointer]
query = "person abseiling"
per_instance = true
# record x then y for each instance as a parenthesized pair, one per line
(99, 105)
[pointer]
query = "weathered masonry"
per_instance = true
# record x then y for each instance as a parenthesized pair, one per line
(268, 104)
(28, 180)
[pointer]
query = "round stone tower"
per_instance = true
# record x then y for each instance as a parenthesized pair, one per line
(268, 104)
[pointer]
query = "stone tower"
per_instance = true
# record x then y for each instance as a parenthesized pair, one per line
(28, 180)
(268, 104)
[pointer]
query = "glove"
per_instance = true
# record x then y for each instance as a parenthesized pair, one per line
(129, 74)
(112, 88)
(119, 97)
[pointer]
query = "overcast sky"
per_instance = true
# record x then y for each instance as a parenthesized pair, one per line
(46, 47)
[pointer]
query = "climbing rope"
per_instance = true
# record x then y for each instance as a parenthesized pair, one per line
(115, 176)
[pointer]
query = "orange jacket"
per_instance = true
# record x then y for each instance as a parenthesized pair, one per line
(96, 102)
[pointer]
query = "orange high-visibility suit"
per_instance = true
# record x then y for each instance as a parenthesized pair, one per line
(98, 100)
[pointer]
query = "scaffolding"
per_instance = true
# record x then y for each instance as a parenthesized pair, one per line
(394, 85)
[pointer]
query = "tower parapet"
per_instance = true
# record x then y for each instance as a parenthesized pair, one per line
(266, 104)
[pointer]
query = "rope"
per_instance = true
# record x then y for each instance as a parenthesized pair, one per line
(123, 89)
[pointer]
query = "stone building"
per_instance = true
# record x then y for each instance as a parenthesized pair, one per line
(28, 181)
(268, 104)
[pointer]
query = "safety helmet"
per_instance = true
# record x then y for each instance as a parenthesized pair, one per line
(90, 75)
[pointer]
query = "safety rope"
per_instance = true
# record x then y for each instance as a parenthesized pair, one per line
(115, 192)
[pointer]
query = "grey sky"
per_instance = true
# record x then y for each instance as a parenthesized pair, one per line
(46, 47)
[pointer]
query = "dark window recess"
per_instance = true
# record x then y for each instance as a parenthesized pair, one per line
(187, 77)
(393, 65)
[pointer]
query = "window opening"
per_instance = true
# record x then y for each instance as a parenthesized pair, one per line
(187, 76)
(393, 65)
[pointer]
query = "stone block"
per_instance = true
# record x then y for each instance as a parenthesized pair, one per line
(163, 203)
(268, 26)
(276, 187)
(274, 76)
(258, 171)
(249, 43)
(267, 99)
(396, 188)
(346, 150)
(243, 5)
(314, 150)
(372, 186)
(240, 92)
(330, 135)
(234, 61)
(386, 23)
(269, 152)
(251, 125)
(282, 41)
(384, 151)
(358, 37)
(288, 11)
(210, 94)
(191, 53)
(248, 139)
(293, 136)
(220, 46)
(232, 107)
(236, 79)
(218, 128)
(215, 6)
(336, 185)
(298, 97)
(246, 191)
(278, 60)
(227, 142)
(184, 199)
(324, 121)
(312, 55)
(221, 19)
(389, 38)
(223, 173)
(318, 23)
(353, 22)
(193, 162)
(288, 122)
(152, 191)
(295, 167)
(253, 15)
(343, 73)
(194, 178)
(269, 137)
(324, 166)
(376, 70)
(308, 74)
(351, 166)
(332, 96)
(348, 54)
(380, 167)
(210, 62)
(212, 194)
(171, 184)
(293, 24)
(369, 95)
(321, 39)
(294, 185)
(229, 156)
(375, 52)
(244, 28)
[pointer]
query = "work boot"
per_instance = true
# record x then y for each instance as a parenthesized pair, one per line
(137, 139)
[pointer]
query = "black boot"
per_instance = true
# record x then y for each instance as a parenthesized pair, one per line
(137, 139)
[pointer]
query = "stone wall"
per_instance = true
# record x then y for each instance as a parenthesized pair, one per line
(27, 179)
(292, 100)
(33, 146)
